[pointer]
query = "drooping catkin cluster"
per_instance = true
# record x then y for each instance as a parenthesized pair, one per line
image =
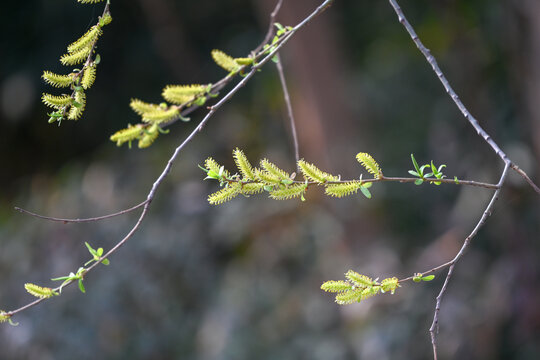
(279, 184)
(71, 106)
(179, 97)
(359, 287)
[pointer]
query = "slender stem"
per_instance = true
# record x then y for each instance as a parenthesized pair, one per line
(287, 99)
(525, 176)
(271, 29)
(65, 220)
(385, 179)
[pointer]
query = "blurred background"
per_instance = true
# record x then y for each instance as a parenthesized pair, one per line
(241, 280)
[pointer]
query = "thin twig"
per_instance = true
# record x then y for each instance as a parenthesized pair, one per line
(65, 221)
(526, 177)
(409, 180)
(177, 151)
(271, 29)
(287, 99)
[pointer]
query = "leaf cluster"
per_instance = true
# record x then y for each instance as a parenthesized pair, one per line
(418, 172)
(359, 287)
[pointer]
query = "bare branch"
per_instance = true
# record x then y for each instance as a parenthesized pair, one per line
(271, 29)
(65, 221)
(287, 99)
(526, 177)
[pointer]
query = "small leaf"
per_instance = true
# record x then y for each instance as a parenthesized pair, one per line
(428, 278)
(456, 180)
(81, 286)
(365, 191)
(418, 182)
(105, 262)
(416, 165)
(90, 249)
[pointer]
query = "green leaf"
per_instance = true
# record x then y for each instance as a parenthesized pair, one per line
(279, 26)
(428, 278)
(416, 165)
(434, 168)
(275, 59)
(200, 101)
(456, 180)
(418, 182)
(90, 249)
(365, 191)
(81, 286)
(414, 173)
(105, 262)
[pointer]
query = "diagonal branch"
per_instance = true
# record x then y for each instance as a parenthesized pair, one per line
(270, 30)
(287, 99)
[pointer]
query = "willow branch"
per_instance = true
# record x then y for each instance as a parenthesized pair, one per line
(79, 220)
(178, 149)
(525, 176)
(382, 179)
(287, 100)
(271, 29)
